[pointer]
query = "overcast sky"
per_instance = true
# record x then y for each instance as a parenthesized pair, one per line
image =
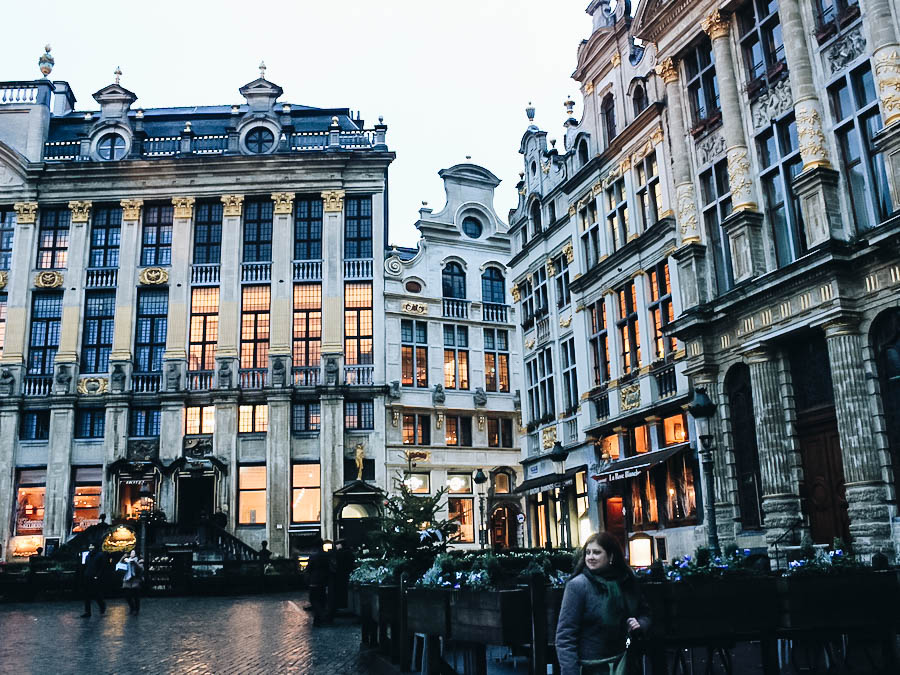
(450, 78)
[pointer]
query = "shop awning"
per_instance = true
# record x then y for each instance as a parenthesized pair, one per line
(633, 466)
(548, 479)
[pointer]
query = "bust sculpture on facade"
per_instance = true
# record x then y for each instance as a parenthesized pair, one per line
(278, 373)
(225, 375)
(331, 371)
(479, 397)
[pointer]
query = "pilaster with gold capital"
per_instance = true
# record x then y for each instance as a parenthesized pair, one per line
(131, 209)
(233, 205)
(81, 212)
(334, 201)
(26, 212)
(184, 208)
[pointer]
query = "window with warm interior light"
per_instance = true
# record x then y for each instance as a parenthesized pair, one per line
(458, 430)
(456, 357)
(358, 340)
(30, 492)
(305, 493)
(496, 360)
(500, 432)
(640, 442)
(88, 482)
(255, 322)
(418, 483)
(200, 420)
(675, 429)
(252, 495)
(414, 353)
(416, 430)
(307, 347)
(204, 328)
(501, 483)
(253, 418)
(609, 447)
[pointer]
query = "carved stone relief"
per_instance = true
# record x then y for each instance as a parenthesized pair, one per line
(844, 51)
(711, 148)
(772, 104)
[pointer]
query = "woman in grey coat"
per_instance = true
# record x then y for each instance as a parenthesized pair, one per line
(131, 582)
(601, 606)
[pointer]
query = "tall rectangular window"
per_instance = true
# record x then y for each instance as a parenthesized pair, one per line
(207, 233)
(156, 240)
(31, 488)
(590, 233)
(500, 432)
(150, 330)
(563, 297)
(416, 430)
(358, 227)
(46, 316)
(458, 430)
(253, 419)
(461, 509)
(308, 228)
(541, 299)
(35, 425)
(204, 328)
(307, 347)
(358, 340)
(53, 239)
(306, 501)
(761, 43)
(258, 231)
(88, 483)
(199, 420)
(97, 336)
(144, 422)
(496, 359)
(526, 289)
(255, 327)
(252, 495)
(649, 190)
(90, 422)
(359, 415)
(599, 342)
(106, 233)
(570, 377)
(305, 417)
(703, 88)
(541, 391)
(779, 156)
(7, 232)
(661, 311)
(617, 214)
(414, 353)
(715, 193)
(629, 329)
(456, 357)
(3, 302)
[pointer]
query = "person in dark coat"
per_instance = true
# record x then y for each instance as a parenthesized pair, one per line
(95, 568)
(319, 572)
(601, 607)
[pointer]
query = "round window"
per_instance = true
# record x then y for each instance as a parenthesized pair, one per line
(472, 227)
(259, 140)
(111, 146)
(413, 286)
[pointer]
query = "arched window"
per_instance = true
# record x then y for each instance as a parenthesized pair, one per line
(886, 343)
(536, 225)
(453, 281)
(583, 155)
(639, 99)
(492, 288)
(746, 454)
(608, 113)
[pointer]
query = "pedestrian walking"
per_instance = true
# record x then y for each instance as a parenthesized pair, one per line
(94, 564)
(131, 582)
(601, 607)
(319, 572)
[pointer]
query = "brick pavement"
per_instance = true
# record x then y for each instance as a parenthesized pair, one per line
(250, 634)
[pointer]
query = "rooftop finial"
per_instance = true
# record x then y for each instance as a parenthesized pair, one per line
(45, 63)
(118, 74)
(570, 106)
(262, 69)
(468, 156)
(530, 112)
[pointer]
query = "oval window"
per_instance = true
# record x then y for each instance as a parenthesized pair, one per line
(111, 146)
(259, 140)
(472, 227)
(413, 287)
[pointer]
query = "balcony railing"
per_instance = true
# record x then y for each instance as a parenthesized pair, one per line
(307, 270)
(666, 384)
(161, 146)
(101, 277)
(534, 444)
(209, 145)
(359, 374)
(570, 431)
(601, 403)
(456, 309)
(37, 385)
(253, 378)
(306, 376)
(543, 329)
(358, 268)
(62, 150)
(256, 271)
(145, 383)
(18, 93)
(204, 275)
(494, 312)
(200, 380)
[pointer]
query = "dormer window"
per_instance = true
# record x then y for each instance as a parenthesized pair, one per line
(111, 147)
(259, 140)
(639, 99)
(583, 155)
(472, 227)
(608, 114)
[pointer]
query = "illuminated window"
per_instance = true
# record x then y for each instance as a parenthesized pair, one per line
(358, 227)
(456, 357)
(53, 239)
(30, 492)
(204, 328)
(461, 510)
(500, 432)
(629, 329)
(599, 341)
(97, 336)
(681, 499)
(358, 342)
(144, 423)
(418, 483)
(359, 415)
(88, 483)
(7, 232)
(458, 430)
(640, 442)
(307, 348)
(106, 233)
(253, 419)
(459, 483)
(255, 327)
(156, 240)
(258, 231)
(609, 447)
(416, 430)
(252, 495)
(414, 353)
(90, 422)
(131, 502)
(46, 316)
(308, 228)
(501, 483)
(208, 233)
(306, 500)
(675, 430)
(200, 420)
(306, 417)
(150, 330)
(661, 310)
(496, 360)
(585, 529)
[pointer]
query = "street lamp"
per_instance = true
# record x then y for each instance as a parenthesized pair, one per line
(480, 479)
(559, 455)
(702, 409)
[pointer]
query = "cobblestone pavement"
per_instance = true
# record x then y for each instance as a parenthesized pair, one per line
(251, 634)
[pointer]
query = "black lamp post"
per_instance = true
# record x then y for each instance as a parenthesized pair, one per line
(559, 455)
(480, 479)
(702, 409)
(146, 494)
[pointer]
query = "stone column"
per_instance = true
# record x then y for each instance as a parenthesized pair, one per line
(9, 428)
(867, 493)
(19, 281)
(59, 467)
(115, 439)
(780, 501)
(225, 441)
(171, 443)
(744, 225)
(129, 256)
(331, 457)
(282, 275)
(179, 294)
(885, 48)
(230, 291)
(278, 471)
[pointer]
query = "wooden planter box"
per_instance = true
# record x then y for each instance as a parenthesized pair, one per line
(360, 599)
(490, 617)
(385, 605)
(726, 608)
(842, 602)
(428, 611)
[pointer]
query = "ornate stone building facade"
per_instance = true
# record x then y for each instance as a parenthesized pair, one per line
(172, 335)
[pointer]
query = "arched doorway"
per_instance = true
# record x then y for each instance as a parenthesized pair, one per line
(504, 526)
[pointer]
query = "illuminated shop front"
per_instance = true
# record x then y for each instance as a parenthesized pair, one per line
(87, 488)
(131, 501)
(30, 493)
(558, 514)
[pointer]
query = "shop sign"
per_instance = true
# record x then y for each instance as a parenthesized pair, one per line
(28, 524)
(619, 475)
(24, 547)
(120, 540)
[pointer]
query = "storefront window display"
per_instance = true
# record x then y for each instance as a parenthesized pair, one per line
(86, 498)
(30, 502)
(131, 502)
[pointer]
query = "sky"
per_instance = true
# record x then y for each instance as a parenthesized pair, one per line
(450, 78)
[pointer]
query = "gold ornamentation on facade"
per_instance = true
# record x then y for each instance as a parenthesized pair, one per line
(334, 201)
(81, 211)
(616, 60)
(26, 212)
(515, 293)
(739, 179)
(551, 268)
(184, 207)
(569, 252)
(153, 276)
(548, 437)
(131, 208)
(589, 88)
(414, 308)
(656, 136)
(522, 190)
(93, 386)
(687, 212)
(625, 165)
(810, 137)
(667, 70)
(284, 202)
(565, 322)
(715, 25)
(545, 166)
(395, 417)
(481, 420)
(887, 75)
(233, 205)
(630, 396)
(529, 343)
(4, 278)
(439, 421)
(572, 210)
(48, 279)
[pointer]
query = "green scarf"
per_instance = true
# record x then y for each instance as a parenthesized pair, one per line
(607, 583)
